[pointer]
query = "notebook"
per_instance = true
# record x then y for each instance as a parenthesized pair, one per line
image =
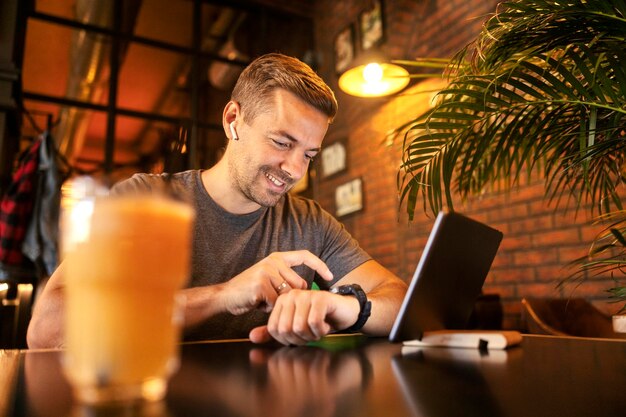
(448, 277)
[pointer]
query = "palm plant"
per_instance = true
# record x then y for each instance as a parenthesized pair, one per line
(542, 88)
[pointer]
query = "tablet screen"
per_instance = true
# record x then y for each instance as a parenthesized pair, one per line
(448, 277)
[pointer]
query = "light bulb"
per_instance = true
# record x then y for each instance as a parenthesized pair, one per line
(373, 73)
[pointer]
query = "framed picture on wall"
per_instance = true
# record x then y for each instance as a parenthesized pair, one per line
(344, 49)
(372, 26)
(334, 159)
(349, 197)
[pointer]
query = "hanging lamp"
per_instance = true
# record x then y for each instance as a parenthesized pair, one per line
(373, 76)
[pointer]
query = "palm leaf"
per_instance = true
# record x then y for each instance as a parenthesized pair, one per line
(538, 71)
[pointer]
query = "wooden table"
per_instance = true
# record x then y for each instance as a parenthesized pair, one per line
(354, 376)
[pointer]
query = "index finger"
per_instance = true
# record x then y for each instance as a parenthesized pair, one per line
(304, 257)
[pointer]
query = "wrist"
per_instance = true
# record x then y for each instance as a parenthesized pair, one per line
(365, 306)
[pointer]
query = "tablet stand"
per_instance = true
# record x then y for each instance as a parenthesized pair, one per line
(473, 339)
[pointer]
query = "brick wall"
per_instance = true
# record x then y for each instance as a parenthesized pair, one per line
(539, 240)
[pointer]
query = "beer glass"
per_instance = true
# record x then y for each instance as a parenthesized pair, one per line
(125, 259)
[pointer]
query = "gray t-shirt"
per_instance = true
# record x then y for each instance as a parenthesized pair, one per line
(225, 244)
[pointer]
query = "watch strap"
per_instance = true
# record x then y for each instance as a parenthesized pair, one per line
(364, 304)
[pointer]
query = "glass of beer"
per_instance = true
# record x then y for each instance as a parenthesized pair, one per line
(125, 259)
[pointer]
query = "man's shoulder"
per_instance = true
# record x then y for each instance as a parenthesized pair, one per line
(146, 178)
(152, 182)
(307, 209)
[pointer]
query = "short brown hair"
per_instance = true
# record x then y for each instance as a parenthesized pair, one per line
(269, 72)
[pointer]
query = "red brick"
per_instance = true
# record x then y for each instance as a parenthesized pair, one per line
(556, 237)
(570, 254)
(535, 257)
(388, 248)
(551, 272)
(512, 275)
(538, 290)
(511, 243)
(591, 232)
(535, 223)
(502, 259)
(386, 237)
(540, 206)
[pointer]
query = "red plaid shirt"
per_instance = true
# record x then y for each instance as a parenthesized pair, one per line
(17, 206)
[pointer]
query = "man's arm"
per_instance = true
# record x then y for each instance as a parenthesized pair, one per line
(257, 287)
(384, 289)
(45, 329)
(302, 316)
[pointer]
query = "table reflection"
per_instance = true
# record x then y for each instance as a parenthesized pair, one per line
(287, 381)
(422, 374)
(47, 393)
(224, 379)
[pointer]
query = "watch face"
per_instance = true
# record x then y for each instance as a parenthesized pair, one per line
(351, 289)
(344, 289)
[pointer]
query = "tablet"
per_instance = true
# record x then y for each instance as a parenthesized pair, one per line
(448, 277)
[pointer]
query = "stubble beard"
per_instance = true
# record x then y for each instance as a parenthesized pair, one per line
(254, 189)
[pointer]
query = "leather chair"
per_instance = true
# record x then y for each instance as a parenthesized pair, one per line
(566, 317)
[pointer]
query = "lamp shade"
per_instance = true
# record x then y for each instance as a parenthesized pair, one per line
(374, 79)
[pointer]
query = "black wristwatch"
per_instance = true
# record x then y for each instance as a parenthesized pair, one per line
(364, 304)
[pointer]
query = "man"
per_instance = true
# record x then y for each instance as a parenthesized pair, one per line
(257, 249)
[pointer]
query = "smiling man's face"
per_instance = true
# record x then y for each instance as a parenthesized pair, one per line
(274, 150)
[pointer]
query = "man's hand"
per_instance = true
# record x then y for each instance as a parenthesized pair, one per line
(301, 316)
(260, 285)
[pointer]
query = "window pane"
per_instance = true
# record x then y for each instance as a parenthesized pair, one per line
(169, 21)
(73, 64)
(79, 134)
(154, 80)
(150, 146)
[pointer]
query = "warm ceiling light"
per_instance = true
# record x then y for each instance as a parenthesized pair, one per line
(374, 80)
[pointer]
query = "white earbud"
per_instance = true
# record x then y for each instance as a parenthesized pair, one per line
(233, 132)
